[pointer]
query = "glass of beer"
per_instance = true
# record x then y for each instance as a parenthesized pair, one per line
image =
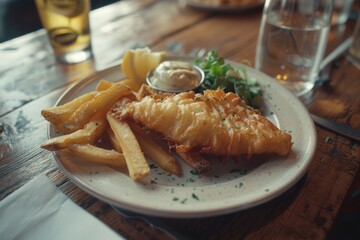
(68, 28)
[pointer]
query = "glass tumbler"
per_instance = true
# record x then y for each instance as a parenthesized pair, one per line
(292, 41)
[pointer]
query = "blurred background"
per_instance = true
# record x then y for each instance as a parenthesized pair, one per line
(18, 17)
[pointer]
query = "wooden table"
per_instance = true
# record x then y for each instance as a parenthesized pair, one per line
(31, 79)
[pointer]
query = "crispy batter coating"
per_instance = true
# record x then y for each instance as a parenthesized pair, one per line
(215, 122)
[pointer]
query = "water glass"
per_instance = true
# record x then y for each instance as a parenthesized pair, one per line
(292, 41)
(68, 28)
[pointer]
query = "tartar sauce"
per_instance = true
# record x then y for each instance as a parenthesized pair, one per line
(175, 76)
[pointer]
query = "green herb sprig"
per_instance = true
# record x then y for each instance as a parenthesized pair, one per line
(219, 74)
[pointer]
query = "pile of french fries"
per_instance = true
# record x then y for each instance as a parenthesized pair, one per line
(85, 120)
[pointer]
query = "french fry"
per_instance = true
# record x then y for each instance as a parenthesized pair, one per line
(98, 155)
(155, 152)
(198, 162)
(104, 84)
(144, 91)
(109, 132)
(134, 157)
(113, 140)
(59, 114)
(91, 132)
(103, 101)
(134, 85)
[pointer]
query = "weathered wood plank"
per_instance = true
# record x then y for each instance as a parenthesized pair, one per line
(28, 68)
(141, 29)
(228, 35)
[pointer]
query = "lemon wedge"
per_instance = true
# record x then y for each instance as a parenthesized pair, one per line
(138, 62)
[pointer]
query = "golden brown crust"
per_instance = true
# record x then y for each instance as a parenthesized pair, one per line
(215, 123)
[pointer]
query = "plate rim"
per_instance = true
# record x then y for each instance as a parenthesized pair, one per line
(180, 213)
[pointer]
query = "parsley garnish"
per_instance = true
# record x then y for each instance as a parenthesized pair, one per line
(219, 74)
(194, 196)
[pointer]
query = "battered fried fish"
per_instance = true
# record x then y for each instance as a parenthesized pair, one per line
(215, 122)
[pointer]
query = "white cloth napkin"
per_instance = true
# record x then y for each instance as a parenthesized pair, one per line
(39, 210)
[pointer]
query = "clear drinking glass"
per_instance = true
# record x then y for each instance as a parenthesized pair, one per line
(292, 41)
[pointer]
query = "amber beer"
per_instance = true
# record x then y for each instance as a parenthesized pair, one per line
(67, 25)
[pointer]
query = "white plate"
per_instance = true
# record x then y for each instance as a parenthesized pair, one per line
(211, 5)
(228, 188)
